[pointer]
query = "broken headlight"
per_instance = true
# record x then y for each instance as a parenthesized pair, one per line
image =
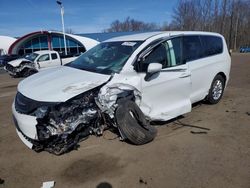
(41, 112)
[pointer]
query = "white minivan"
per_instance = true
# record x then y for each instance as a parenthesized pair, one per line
(122, 83)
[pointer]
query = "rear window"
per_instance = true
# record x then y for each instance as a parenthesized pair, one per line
(212, 45)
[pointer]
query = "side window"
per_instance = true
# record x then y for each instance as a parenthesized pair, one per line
(54, 56)
(192, 48)
(158, 55)
(174, 52)
(169, 54)
(43, 58)
(212, 45)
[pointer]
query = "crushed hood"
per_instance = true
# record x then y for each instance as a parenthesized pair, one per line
(60, 84)
(17, 62)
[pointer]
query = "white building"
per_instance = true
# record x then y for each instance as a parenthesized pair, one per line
(46, 40)
(5, 43)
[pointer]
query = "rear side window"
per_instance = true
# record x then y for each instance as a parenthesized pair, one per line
(192, 48)
(212, 45)
(54, 56)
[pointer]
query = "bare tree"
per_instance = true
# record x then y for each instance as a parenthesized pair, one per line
(130, 24)
(231, 18)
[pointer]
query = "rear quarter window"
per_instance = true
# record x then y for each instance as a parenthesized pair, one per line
(212, 45)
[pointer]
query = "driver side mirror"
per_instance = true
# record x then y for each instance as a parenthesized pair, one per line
(153, 69)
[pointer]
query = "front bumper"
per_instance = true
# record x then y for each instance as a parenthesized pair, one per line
(10, 69)
(25, 126)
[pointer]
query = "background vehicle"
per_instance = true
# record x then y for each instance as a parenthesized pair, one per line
(35, 62)
(245, 49)
(122, 83)
(4, 59)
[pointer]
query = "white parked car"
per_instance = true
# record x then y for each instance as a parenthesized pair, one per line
(34, 62)
(122, 83)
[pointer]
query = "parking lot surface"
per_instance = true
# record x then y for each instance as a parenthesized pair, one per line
(182, 155)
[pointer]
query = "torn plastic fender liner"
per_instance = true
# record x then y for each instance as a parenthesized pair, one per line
(108, 96)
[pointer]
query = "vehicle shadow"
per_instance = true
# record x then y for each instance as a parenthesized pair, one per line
(104, 185)
(177, 121)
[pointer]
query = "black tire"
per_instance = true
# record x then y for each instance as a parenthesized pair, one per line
(25, 72)
(15, 76)
(132, 124)
(28, 72)
(216, 90)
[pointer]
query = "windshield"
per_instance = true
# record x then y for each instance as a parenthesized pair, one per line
(106, 58)
(31, 56)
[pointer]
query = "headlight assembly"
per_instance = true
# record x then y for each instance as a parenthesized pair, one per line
(41, 112)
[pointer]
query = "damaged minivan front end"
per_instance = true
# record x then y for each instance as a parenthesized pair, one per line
(66, 116)
(60, 126)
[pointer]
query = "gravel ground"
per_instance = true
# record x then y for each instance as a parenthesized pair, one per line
(178, 157)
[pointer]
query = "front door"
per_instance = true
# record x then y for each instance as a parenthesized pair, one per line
(166, 94)
(44, 61)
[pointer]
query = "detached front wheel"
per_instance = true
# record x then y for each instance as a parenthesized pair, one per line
(132, 124)
(217, 89)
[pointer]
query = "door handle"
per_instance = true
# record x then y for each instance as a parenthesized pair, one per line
(185, 75)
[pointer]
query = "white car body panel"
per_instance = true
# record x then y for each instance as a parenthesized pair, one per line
(172, 97)
(26, 123)
(17, 62)
(204, 70)
(59, 85)
(26, 142)
(54, 62)
(51, 63)
(68, 60)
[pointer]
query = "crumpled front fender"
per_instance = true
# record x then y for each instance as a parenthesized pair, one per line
(112, 91)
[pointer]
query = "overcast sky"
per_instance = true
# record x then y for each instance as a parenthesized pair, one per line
(19, 17)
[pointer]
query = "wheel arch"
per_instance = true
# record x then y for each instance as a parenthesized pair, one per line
(223, 75)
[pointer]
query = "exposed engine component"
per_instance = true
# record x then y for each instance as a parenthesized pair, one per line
(61, 127)
(109, 95)
(66, 117)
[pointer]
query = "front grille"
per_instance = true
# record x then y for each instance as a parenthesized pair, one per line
(10, 68)
(26, 105)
